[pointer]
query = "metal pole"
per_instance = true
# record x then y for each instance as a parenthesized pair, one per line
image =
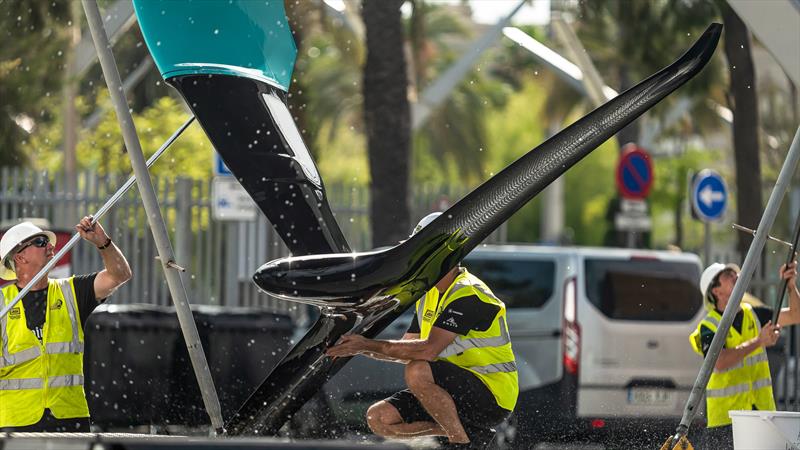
(707, 242)
(95, 217)
(440, 89)
(750, 262)
(154, 217)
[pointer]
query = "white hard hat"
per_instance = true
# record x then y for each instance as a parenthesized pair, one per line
(711, 272)
(12, 238)
(425, 221)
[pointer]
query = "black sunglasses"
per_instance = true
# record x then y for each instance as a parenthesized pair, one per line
(38, 241)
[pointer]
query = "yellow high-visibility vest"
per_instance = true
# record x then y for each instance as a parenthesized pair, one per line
(487, 354)
(744, 385)
(36, 375)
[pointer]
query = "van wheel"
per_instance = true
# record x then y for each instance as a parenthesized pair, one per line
(506, 436)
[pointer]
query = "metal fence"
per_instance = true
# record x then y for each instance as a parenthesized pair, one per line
(220, 257)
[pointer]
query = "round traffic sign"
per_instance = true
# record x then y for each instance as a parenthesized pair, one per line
(709, 195)
(634, 172)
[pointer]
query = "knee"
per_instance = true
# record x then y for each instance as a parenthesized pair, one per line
(418, 373)
(381, 414)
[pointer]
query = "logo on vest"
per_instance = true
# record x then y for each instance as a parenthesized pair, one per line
(428, 315)
(14, 313)
(451, 322)
(56, 305)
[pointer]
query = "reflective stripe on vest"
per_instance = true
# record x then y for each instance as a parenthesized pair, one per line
(6, 358)
(763, 382)
(461, 343)
(748, 361)
(16, 384)
(65, 380)
(712, 320)
(739, 388)
(495, 368)
(728, 391)
(69, 299)
(64, 347)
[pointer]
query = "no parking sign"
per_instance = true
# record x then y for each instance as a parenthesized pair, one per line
(634, 172)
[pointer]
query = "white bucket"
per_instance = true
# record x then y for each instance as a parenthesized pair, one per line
(765, 430)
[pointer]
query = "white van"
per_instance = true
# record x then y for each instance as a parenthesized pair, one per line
(600, 336)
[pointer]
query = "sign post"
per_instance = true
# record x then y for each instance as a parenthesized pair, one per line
(709, 199)
(634, 178)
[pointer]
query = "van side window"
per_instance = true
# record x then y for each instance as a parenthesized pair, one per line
(520, 283)
(637, 289)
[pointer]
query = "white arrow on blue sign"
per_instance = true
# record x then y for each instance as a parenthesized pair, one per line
(220, 169)
(709, 195)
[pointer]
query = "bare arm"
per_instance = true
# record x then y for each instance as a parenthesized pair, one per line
(398, 350)
(380, 357)
(729, 357)
(116, 270)
(790, 315)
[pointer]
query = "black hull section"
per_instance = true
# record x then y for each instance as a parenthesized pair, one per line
(375, 287)
(267, 156)
(355, 279)
(283, 391)
(299, 376)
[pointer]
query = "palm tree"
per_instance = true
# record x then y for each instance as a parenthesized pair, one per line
(744, 104)
(387, 118)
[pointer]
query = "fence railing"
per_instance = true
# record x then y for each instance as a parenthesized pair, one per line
(220, 257)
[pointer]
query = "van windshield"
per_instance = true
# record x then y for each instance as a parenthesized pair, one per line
(520, 283)
(643, 289)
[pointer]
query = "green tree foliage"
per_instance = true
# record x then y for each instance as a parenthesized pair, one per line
(455, 133)
(669, 198)
(589, 185)
(629, 40)
(502, 109)
(102, 149)
(31, 68)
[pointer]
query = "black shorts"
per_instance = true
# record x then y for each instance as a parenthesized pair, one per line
(49, 424)
(474, 401)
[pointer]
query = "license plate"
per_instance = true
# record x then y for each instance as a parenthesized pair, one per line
(650, 396)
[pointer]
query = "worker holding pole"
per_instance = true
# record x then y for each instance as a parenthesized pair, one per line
(741, 377)
(41, 337)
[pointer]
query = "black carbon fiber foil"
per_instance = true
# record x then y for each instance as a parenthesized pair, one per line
(363, 293)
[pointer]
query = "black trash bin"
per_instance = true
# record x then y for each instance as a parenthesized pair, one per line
(242, 346)
(138, 370)
(128, 362)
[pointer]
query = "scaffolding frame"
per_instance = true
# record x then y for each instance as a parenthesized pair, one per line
(172, 271)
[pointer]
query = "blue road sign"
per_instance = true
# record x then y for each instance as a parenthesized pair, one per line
(634, 173)
(709, 195)
(220, 169)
